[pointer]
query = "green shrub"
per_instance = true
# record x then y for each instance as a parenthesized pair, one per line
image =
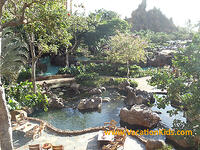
(86, 76)
(118, 81)
(73, 70)
(25, 74)
(21, 95)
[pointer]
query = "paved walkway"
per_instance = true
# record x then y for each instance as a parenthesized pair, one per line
(143, 85)
(81, 142)
(55, 83)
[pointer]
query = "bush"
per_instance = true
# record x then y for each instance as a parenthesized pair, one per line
(118, 81)
(25, 74)
(86, 76)
(73, 70)
(21, 95)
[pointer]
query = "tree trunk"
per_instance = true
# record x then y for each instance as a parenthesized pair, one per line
(33, 75)
(5, 123)
(67, 59)
(128, 71)
(34, 61)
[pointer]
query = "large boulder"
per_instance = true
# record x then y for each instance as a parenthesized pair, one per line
(139, 115)
(147, 95)
(138, 97)
(180, 142)
(56, 102)
(93, 103)
(42, 67)
(153, 144)
(162, 58)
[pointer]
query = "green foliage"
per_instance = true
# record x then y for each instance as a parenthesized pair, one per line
(14, 55)
(24, 74)
(182, 84)
(158, 38)
(21, 95)
(167, 147)
(118, 81)
(105, 69)
(106, 24)
(86, 76)
(126, 48)
(73, 70)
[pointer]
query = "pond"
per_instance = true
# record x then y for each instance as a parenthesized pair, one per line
(73, 119)
(51, 70)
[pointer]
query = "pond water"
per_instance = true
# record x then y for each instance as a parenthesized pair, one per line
(51, 70)
(73, 119)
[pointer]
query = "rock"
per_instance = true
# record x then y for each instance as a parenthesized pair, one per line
(58, 60)
(17, 115)
(162, 58)
(153, 144)
(123, 85)
(139, 115)
(28, 110)
(158, 112)
(56, 102)
(146, 95)
(106, 99)
(60, 93)
(93, 103)
(180, 142)
(138, 97)
(103, 89)
(95, 91)
(75, 87)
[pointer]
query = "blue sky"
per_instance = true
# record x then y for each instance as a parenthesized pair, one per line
(179, 10)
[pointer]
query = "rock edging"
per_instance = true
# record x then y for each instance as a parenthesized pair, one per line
(64, 132)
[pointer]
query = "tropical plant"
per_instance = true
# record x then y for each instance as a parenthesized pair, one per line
(21, 95)
(14, 55)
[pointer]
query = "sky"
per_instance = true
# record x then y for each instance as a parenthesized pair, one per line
(179, 10)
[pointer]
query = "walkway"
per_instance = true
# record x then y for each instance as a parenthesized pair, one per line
(55, 83)
(143, 85)
(82, 142)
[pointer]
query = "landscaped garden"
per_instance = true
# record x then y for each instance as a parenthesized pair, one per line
(68, 77)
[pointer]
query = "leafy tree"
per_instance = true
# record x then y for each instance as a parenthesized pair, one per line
(106, 23)
(126, 48)
(79, 26)
(45, 31)
(12, 14)
(182, 84)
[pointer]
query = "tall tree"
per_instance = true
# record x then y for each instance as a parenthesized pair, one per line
(14, 17)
